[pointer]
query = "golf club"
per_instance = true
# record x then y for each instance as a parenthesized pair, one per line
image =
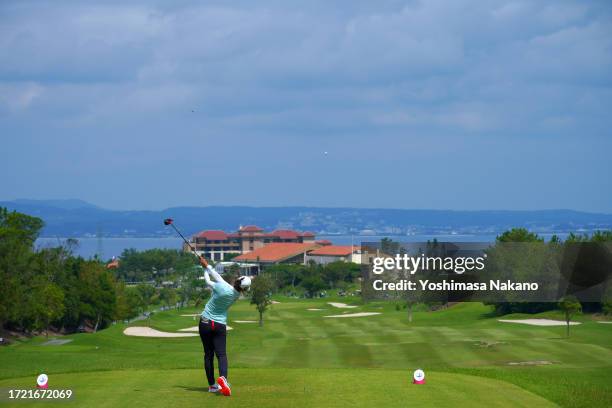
(170, 221)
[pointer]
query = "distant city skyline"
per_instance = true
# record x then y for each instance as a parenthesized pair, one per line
(470, 105)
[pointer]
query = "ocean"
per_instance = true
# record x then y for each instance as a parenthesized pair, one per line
(109, 247)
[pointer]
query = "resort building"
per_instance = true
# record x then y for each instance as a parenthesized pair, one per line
(335, 253)
(278, 252)
(217, 244)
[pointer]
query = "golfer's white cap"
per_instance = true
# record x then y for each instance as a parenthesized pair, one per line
(245, 282)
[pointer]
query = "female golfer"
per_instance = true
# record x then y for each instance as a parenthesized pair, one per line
(213, 325)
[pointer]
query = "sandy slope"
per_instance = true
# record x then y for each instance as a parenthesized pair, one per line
(539, 322)
(362, 314)
(341, 305)
(149, 332)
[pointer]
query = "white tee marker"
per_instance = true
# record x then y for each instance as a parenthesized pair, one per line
(418, 377)
(42, 381)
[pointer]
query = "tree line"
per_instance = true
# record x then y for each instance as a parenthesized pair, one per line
(578, 258)
(312, 279)
(50, 286)
(53, 288)
(153, 265)
(572, 273)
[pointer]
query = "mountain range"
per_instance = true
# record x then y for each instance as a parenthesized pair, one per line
(77, 218)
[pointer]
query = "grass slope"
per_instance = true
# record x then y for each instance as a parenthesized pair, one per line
(465, 353)
(289, 388)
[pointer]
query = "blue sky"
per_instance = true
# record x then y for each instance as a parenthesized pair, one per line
(418, 104)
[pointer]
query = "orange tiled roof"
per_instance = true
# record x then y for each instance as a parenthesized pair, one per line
(250, 228)
(284, 234)
(213, 235)
(334, 250)
(276, 252)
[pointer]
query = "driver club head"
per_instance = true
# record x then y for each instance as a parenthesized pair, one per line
(168, 221)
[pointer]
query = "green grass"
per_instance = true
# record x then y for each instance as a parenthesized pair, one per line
(264, 387)
(298, 355)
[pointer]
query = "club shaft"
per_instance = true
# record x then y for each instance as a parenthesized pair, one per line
(184, 239)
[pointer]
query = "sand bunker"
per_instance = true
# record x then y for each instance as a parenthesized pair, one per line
(341, 305)
(149, 332)
(244, 321)
(314, 310)
(539, 322)
(530, 363)
(191, 315)
(604, 322)
(274, 302)
(190, 329)
(362, 314)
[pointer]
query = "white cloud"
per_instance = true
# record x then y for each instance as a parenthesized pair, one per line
(125, 77)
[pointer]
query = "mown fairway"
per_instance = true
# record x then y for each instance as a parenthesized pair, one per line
(300, 358)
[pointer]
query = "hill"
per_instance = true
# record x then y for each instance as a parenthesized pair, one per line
(76, 218)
